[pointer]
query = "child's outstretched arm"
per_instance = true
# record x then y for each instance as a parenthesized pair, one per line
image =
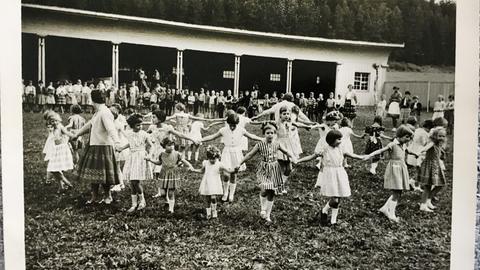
(288, 153)
(184, 161)
(378, 152)
(299, 124)
(308, 158)
(201, 170)
(121, 148)
(252, 136)
(156, 162)
(355, 156)
(358, 136)
(66, 132)
(216, 123)
(211, 137)
(85, 129)
(385, 136)
(183, 136)
(249, 155)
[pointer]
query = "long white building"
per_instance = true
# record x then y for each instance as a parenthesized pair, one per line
(299, 63)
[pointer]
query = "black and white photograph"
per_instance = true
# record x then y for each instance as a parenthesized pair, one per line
(224, 134)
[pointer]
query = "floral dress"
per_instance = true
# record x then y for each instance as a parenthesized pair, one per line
(136, 167)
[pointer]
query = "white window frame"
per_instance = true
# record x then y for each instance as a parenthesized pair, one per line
(363, 82)
(228, 74)
(275, 77)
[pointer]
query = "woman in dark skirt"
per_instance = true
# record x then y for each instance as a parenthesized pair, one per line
(98, 164)
(349, 104)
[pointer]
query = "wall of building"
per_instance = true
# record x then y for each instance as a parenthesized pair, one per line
(352, 58)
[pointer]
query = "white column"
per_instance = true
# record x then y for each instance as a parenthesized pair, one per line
(179, 69)
(236, 80)
(337, 73)
(289, 75)
(41, 59)
(115, 64)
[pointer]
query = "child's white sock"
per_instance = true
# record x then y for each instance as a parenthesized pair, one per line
(209, 212)
(373, 168)
(141, 202)
(326, 208)
(268, 208)
(225, 191)
(430, 205)
(196, 156)
(333, 218)
(171, 205)
(214, 210)
(263, 209)
(385, 208)
(134, 204)
(232, 188)
(189, 155)
(392, 216)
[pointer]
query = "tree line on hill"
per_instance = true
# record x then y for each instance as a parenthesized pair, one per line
(426, 27)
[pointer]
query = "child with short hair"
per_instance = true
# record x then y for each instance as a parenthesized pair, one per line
(168, 176)
(332, 179)
(211, 184)
(432, 169)
(396, 173)
(420, 140)
(374, 133)
(232, 151)
(136, 169)
(347, 132)
(196, 129)
(75, 123)
(269, 171)
(416, 107)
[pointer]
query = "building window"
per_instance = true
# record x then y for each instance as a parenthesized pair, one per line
(227, 74)
(360, 81)
(275, 77)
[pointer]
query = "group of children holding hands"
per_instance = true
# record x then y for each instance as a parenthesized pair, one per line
(159, 154)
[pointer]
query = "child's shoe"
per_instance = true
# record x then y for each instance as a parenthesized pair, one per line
(142, 203)
(134, 204)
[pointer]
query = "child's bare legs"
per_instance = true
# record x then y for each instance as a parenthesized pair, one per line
(332, 205)
(160, 190)
(232, 186)
(211, 206)
(225, 184)
(171, 199)
(373, 167)
(286, 170)
(193, 148)
(426, 195)
(389, 207)
(62, 179)
(120, 186)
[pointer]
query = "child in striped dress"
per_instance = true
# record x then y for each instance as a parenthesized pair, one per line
(211, 184)
(269, 172)
(231, 137)
(396, 178)
(168, 176)
(75, 123)
(332, 179)
(136, 169)
(57, 151)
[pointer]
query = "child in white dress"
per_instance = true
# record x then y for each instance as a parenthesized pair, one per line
(120, 123)
(211, 184)
(439, 107)
(347, 132)
(243, 123)
(332, 179)
(136, 169)
(57, 151)
(196, 129)
(231, 137)
(381, 107)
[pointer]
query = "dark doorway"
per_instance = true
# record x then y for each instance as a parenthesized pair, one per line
(30, 58)
(269, 74)
(133, 57)
(313, 76)
(208, 70)
(72, 59)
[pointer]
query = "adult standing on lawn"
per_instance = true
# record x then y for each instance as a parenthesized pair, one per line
(350, 103)
(98, 164)
(394, 106)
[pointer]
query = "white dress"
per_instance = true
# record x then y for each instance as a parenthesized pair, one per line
(381, 108)
(136, 167)
(59, 155)
(196, 131)
(120, 124)
(438, 109)
(333, 179)
(211, 182)
(242, 123)
(346, 145)
(420, 139)
(232, 151)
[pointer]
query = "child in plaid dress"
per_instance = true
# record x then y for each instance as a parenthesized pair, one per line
(168, 176)
(57, 151)
(75, 123)
(269, 172)
(136, 169)
(211, 184)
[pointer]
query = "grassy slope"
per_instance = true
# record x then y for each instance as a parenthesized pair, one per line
(62, 233)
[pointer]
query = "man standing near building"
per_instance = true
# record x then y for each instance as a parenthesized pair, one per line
(30, 93)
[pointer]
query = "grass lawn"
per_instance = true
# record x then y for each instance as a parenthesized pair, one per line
(62, 233)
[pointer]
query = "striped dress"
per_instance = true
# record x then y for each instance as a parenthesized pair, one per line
(269, 173)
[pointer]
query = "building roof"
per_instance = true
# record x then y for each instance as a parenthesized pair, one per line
(215, 29)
